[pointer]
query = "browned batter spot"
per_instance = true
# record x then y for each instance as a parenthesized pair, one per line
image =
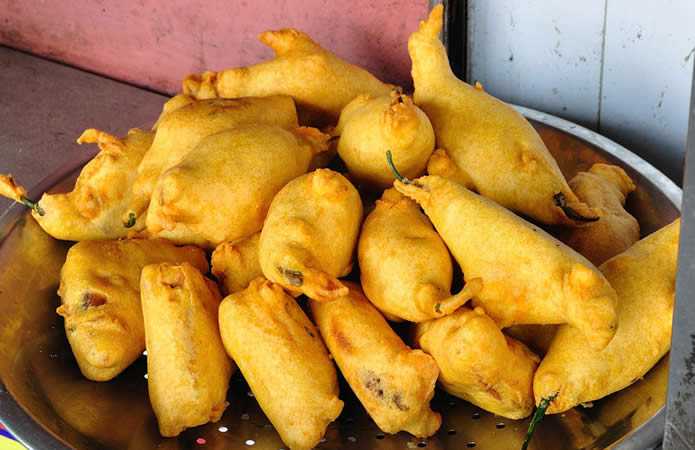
(340, 339)
(90, 299)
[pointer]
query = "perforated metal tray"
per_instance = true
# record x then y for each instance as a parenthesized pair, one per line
(47, 404)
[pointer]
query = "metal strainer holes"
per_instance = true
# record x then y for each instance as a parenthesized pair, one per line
(250, 442)
(471, 444)
(451, 432)
(499, 425)
(422, 444)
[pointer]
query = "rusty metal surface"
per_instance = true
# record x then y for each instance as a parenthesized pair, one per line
(44, 106)
(155, 44)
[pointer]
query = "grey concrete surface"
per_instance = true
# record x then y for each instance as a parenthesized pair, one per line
(45, 106)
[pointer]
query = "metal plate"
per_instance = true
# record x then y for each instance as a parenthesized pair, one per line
(40, 382)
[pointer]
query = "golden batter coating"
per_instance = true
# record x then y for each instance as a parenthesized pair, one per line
(93, 209)
(320, 82)
(100, 293)
(369, 126)
(284, 361)
(394, 383)
(171, 105)
(644, 277)
(441, 164)
(479, 364)
(183, 125)
(188, 369)
(405, 268)
(604, 188)
(235, 265)
(500, 153)
(535, 337)
(310, 233)
(528, 276)
(222, 190)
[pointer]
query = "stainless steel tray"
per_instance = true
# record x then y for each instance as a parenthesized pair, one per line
(47, 404)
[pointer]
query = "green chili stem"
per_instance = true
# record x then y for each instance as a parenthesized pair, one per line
(537, 417)
(396, 173)
(131, 220)
(32, 205)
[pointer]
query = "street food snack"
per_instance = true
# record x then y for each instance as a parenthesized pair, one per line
(100, 295)
(310, 233)
(644, 277)
(369, 126)
(604, 188)
(405, 268)
(181, 128)
(236, 264)
(222, 190)
(188, 369)
(93, 209)
(284, 361)
(478, 363)
(528, 276)
(320, 82)
(500, 153)
(394, 383)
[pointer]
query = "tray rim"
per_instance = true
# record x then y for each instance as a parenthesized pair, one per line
(32, 435)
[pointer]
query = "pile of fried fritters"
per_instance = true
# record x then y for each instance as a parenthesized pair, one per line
(228, 168)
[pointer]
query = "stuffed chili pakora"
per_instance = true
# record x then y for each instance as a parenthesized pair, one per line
(644, 277)
(405, 268)
(320, 82)
(499, 152)
(222, 190)
(369, 126)
(284, 361)
(605, 188)
(478, 363)
(310, 233)
(94, 208)
(100, 296)
(183, 125)
(528, 276)
(394, 383)
(188, 369)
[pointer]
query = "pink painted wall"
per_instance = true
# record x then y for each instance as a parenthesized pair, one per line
(156, 43)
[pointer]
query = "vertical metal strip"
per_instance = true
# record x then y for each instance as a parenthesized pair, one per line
(455, 33)
(679, 433)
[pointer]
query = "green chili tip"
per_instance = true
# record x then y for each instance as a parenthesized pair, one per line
(33, 205)
(561, 202)
(131, 220)
(394, 171)
(537, 417)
